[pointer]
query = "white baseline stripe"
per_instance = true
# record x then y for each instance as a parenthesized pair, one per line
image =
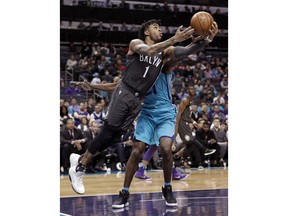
(185, 198)
(62, 214)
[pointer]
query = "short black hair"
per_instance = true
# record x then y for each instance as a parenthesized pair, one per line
(206, 123)
(144, 27)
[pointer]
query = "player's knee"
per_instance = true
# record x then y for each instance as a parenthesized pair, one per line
(166, 152)
(138, 150)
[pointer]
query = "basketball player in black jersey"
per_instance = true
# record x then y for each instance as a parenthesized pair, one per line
(145, 59)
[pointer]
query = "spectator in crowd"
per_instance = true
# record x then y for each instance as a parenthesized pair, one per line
(189, 80)
(96, 79)
(88, 136)
(90, 105)
(119, 65)
(72, 90)
(221, 139)
(104, 106)
(204, 111)
(175, 97)
(74, 106)
(83, 126)
(178, 82)
(86, 49)
(209, 98)
(207, 138)
(210, 87)
(195, 115)
(71, 63)
(219, 100)
(98, 114)
(203, 94)
(63, 114)
(107, 77)
(208, 73)
(78, 115)
(182, 94)
(216, 111)
(224, 83)
(72, 141)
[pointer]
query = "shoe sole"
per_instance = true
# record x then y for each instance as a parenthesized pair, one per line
(169, 204)
(179, 179)
(120, 206)
(210, 153)
(73, 187)
(150, 179)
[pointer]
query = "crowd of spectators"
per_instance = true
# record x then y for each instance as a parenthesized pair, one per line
(104, 63)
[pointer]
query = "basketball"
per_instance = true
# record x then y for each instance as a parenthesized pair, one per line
(201, 22)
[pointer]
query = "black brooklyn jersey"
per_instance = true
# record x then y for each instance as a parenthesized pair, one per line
(142, 71)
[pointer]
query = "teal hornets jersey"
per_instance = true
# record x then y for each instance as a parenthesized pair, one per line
(160, 95)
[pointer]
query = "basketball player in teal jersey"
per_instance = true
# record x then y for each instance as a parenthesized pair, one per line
(165, 142)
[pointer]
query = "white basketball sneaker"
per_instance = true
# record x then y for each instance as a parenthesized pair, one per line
(74, 159)
(75, 176)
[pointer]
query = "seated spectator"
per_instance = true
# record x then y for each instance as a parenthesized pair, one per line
(175, 97)
(63, 114)
(216, 111)
(104, 107)
(219, 100)
(195, 115)
(74, 106)
(83, 126)
(182, 94)
(78, 115)
(224, 83)
(71, 63)
(210, 87)
(90, 105)
(72, 90)
(98, 114)
(207, 138)
(221, 139)
(198, 87)
(88, 136)
(71, 141)
(119, 65)
(178, 82)
(96, 79)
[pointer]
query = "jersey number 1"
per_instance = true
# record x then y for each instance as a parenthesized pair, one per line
(147, 68)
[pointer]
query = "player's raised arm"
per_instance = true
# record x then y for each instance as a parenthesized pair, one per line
(152, 33)
(179, 52)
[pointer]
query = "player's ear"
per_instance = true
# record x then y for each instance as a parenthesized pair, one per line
(146, 33)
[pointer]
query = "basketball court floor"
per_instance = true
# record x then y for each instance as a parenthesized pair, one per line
(203, 193)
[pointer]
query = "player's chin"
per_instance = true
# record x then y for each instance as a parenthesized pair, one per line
(158, 39)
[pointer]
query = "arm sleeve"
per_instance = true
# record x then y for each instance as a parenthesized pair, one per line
(180, 51)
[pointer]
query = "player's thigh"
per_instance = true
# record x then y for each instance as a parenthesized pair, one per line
(123, 109)
(166, 129)
(144, 131)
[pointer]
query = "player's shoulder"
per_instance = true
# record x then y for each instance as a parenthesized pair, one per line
(136, 41)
